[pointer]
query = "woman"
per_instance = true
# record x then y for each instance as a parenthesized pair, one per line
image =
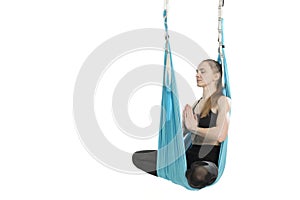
(207, 121)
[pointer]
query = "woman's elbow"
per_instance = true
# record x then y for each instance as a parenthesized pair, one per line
(223, 136)
(221, 139)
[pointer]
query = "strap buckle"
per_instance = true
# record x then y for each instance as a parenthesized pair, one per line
(221, 3)
(167, 36)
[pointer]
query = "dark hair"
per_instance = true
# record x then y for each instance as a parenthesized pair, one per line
(213, 99)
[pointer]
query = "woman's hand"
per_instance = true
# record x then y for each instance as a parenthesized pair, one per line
(184, 129)
(190, 119)
(183, 117)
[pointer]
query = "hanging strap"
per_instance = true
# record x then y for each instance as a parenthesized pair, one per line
(220, 28)
(168, 60)
(221, 50)
(226, 91)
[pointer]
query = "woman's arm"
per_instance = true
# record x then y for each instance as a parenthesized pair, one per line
(220, 131)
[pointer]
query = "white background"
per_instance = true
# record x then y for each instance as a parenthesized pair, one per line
(43, 45)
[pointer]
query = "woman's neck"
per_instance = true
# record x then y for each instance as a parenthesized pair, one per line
(208, 91)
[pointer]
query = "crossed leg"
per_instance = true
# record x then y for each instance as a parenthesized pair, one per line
(146, 161)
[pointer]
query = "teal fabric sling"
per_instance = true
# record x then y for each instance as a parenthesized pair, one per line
(171, 159)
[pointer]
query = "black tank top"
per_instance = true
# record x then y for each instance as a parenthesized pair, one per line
(199, 151)
(210, 120)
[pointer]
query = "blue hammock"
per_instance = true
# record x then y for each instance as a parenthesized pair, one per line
(171, 159)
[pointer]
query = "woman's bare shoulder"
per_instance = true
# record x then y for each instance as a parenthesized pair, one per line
(224, 101)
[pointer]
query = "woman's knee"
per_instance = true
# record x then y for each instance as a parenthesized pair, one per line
(144, 159)
(136, 158)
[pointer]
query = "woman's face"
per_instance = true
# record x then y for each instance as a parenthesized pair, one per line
(205, 75)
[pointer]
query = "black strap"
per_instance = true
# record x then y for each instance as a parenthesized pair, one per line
(196, 105)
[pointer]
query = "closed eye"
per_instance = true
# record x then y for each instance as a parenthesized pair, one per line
(201, 71)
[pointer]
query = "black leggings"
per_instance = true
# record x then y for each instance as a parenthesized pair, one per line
(146, 159)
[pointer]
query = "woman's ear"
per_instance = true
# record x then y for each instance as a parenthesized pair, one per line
(217, 76)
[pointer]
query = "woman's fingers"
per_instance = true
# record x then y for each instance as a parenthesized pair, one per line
(195, 117)
(189, 111)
